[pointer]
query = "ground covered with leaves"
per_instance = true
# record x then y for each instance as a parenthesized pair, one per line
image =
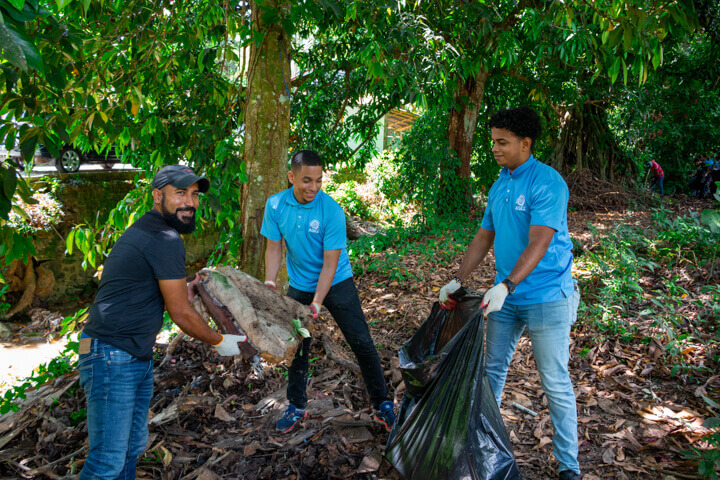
(644, 363)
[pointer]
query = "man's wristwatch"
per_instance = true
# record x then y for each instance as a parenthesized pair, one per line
(510, 286)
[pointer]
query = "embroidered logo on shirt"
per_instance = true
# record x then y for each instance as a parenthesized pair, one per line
(314, 227)
(520, 203)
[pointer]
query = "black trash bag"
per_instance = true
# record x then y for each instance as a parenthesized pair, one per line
(449, 425)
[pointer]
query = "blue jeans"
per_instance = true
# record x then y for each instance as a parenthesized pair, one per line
(659, 183)
(343, 303)
(118, 388)
(548, 326)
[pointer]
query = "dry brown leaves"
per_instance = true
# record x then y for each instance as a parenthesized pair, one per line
(210, 418)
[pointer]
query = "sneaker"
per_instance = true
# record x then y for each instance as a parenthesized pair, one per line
(290, 417)
(569, 475)
(385, 414)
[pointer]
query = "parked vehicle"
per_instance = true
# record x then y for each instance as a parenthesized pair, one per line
(69, 159)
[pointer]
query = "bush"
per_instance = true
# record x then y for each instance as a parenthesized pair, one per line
(422, 170)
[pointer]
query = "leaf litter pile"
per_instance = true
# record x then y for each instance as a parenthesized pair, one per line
(214, 417)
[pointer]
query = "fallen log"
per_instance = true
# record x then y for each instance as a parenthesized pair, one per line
(241, 304)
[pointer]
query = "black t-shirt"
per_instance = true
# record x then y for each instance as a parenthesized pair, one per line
(128, 308)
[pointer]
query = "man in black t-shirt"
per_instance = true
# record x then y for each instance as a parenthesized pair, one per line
(143, 275)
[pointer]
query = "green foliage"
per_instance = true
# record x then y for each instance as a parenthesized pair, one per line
(71, 323)
(96, 240)
(346, 195)
(436, 241)
(14, 244)
(711, 218)
(615, 301)
(423, 170)
(674, 117)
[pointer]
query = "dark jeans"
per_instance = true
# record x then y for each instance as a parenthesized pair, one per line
(343, 302)
(659, 183)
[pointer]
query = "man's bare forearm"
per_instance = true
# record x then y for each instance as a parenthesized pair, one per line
(476, 252)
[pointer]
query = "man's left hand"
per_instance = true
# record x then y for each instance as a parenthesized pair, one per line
(314, 310)
(494, 298)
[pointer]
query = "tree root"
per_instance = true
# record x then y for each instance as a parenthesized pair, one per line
(172, 347)
(335, 354)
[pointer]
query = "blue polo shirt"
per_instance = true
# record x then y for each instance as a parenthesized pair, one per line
(308, 229)
(534, 194)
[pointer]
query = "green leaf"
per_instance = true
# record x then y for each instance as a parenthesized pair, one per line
(11, 51)
(298, 329)
(711, 218)
(29, 50)
(710, 401)
(19, 4)
(9, 183)
(69, 242)
(62, 3)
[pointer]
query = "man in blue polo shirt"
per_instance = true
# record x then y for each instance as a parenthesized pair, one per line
(313, 227)
(526, 220)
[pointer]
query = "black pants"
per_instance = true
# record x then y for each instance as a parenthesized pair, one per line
(343, 302)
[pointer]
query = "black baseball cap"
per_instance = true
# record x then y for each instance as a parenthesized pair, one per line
(180, 176)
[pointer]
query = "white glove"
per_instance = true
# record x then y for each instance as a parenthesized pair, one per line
(445, 300)
(494, 298)
(229, 345)
(314, 310)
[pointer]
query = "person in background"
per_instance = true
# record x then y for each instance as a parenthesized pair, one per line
(313, 227)
(526, 221)
(658, 175)
(715, 173)
(142, 277)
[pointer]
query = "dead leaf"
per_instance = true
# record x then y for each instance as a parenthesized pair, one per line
(369, 464)
(608, 456)
(543, 441)
(609, 406)
(222, 414)
(206, 474)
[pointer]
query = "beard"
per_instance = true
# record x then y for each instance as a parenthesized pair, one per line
(175, 222)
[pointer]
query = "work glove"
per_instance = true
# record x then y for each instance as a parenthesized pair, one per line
(270, 284)
(494, 298)
(229, 345)
(314, 310)
(447, 303)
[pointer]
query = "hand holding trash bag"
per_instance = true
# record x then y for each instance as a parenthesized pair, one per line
(447, 303)
(494, 298)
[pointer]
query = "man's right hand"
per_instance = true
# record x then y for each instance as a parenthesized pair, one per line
(270, 284)
(314, 310)
(446, 302)
(229, 345)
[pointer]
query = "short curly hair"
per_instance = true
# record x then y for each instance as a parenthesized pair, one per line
(521, 121)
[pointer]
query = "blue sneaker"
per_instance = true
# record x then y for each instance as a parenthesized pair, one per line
(290, 417)
(385, 414)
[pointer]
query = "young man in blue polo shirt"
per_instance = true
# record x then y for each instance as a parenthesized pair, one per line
(526, 220)
(313, 227)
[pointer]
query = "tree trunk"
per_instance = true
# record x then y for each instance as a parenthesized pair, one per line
(267, 127)
(585, 141)
(462, 123)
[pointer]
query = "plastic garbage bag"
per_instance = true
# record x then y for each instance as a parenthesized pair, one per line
(449, 425)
